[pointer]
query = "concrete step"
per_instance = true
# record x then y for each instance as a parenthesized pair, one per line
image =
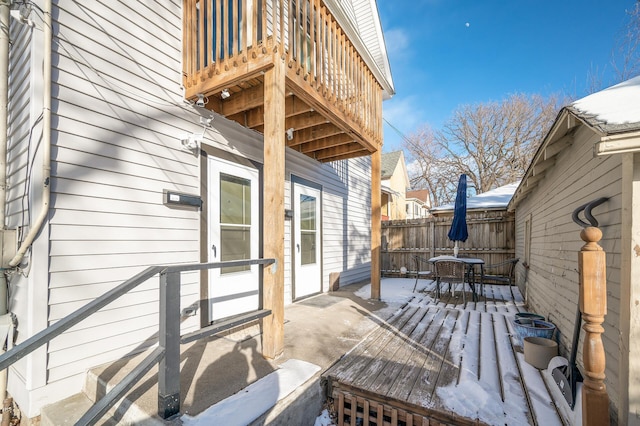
(290, 395)
(68, 411)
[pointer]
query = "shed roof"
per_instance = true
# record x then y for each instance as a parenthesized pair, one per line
(497, 198)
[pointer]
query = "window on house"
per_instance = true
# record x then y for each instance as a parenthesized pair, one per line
(527, 240)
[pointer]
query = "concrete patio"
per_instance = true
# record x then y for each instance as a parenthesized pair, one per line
(318, 330)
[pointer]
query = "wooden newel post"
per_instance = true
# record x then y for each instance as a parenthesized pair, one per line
(593, 305)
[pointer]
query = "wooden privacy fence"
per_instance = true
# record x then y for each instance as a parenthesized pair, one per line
(491, 238)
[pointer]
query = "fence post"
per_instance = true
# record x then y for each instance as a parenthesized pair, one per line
(169, 339)
(593, 305)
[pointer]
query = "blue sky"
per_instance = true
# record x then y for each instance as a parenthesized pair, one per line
(439, 62)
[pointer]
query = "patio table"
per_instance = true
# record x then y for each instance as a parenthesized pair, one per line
(472, 262)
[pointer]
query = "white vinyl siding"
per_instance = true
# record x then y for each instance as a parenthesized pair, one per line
(118, 116)
(118, 111)
(552, 279)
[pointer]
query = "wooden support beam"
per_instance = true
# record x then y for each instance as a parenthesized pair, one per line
(305, 120)
(554, 148)
(324, 143)
(244, 100)
(318, 132)
(361, 153)
(543, 165)
(254, 118)
(273, 201)
(349, 148)
(376, 226)
(593, 305)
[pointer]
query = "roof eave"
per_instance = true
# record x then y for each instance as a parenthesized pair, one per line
(560, 135)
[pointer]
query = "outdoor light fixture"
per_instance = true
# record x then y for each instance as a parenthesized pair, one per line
(225, 93)
(289, 133)
(201, 100)
(22, 14)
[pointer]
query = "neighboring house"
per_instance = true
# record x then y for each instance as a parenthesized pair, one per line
(591, 151)
(141, 134)
(394, 185)
(418, 204)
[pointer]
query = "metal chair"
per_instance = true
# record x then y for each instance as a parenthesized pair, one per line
(425, 274)
(451, 272)
(502, 273)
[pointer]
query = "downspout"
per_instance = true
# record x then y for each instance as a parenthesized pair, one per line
(46, 138)
(4, 124)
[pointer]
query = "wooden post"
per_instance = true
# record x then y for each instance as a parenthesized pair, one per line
(593, 305)
(273, 216)
(376, 164)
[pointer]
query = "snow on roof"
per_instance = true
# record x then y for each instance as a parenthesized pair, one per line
(614, 109)
(494, 199)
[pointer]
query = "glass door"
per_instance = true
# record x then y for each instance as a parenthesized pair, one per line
(307, 244)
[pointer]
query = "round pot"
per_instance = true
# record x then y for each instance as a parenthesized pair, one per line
(533, 328)
(538, 351)
(529, 315)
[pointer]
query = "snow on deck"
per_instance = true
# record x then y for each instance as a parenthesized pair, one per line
(448, 360)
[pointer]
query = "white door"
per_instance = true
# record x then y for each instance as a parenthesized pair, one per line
(233, 235)
(307, 246)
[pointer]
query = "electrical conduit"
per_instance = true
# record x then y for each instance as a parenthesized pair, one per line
(46, 138)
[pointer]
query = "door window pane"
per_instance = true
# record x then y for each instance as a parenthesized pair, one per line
(235, 200)
(235, 221)
(307, 229)
(235, 245)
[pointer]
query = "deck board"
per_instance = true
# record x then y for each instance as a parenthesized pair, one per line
(387, 351)
(385, 380)
(428, 375)
(432, 345)
(409, 373)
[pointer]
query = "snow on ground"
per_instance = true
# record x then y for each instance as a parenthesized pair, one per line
(395, 292)
(473, 399)
(254, 400)
(323, 419)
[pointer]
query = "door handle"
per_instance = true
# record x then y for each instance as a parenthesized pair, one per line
(213, 247)
(298, 247)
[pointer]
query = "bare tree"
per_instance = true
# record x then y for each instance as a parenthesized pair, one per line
(626, 60)
(492, 143)
(426, 170)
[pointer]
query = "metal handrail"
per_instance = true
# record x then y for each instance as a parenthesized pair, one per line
(587, 213)
(169, 335)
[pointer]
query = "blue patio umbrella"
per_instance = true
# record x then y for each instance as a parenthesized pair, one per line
(458, 231)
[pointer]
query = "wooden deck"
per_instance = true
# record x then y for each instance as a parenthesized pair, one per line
(443, 362)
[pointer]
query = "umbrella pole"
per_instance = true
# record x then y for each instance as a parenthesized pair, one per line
(455, 249)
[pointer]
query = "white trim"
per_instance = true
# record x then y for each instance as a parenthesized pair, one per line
(618, 144)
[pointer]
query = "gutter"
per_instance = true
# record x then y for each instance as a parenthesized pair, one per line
(4, 125)
(46, 138)
(618, 144)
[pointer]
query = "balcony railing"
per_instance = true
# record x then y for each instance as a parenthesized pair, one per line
(230, 41)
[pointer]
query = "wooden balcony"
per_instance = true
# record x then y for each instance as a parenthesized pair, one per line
(333, 102)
